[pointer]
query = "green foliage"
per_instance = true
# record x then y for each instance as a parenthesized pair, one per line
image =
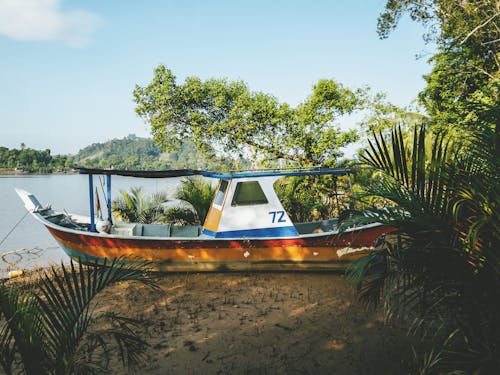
(440, 270)
(194, 194)
(180, 215)
(198, 193)
(313, 198)
(130, 152)
(32, 160)
(382, 115)
(138, 207)
(297, 198)
(137, 153)
(443, 269)
(464, 86)
(459, 94)
(225, 117)
(46, 326)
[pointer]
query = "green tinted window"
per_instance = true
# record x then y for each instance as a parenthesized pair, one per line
(248, 194)
(219, 197)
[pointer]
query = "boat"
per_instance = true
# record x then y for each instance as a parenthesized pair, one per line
(246, 229)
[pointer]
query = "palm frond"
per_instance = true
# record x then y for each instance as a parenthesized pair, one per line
(181, 215)
(138, 207)
(198, 194)
(46, 325)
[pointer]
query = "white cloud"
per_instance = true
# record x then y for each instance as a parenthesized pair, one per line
(44, 20)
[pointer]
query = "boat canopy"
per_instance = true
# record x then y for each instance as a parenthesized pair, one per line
(307, 171)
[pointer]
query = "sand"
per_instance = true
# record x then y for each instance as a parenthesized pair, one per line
(258, 323)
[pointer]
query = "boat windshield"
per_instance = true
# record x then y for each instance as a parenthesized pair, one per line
(248, 193)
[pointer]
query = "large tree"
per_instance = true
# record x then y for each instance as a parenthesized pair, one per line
(225, 117)
(464, 86)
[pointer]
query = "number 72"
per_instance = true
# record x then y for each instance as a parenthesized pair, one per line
(278, 216)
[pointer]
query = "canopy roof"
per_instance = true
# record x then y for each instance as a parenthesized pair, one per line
(219, 175)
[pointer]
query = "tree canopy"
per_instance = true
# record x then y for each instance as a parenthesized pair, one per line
(226, 118)
(463, 88)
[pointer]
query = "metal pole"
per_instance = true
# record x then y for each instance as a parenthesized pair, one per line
(335, 187)
(91, 198)
(353, 202)
(108, 185)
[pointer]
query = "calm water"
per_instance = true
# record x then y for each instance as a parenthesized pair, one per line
(62, 192)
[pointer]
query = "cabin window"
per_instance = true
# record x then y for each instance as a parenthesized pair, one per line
(221, 193)
(248, 194)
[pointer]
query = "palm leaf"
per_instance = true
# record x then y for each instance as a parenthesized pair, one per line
(198, 194)
(22, 332)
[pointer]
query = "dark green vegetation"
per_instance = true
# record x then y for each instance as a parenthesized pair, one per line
(439, 273)
(190, 207)
(47, 325)
(313, 198)
(142, 153)
(33, 160)
(463, 88)
(440, 270)
(139, 207)
(130, 152)
(198, 194)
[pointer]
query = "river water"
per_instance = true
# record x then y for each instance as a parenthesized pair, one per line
(31, 242)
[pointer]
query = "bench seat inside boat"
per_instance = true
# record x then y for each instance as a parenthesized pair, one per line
(155, 230)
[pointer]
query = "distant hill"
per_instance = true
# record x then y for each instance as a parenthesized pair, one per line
(133, 152)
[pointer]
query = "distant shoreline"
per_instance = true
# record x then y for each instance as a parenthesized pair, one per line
(17, 172)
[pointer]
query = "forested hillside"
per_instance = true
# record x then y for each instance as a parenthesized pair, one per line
(133, 152)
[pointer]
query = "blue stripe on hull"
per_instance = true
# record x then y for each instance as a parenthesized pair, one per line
(76, 255)
(276, 232)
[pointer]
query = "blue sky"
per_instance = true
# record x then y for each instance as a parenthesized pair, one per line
(68, 67)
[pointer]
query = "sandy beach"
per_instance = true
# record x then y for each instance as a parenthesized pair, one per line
(258, 323)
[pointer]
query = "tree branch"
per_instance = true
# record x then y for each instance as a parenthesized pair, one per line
(479, 27)
(278, 154)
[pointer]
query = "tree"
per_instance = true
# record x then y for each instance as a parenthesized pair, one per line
(464, 86)
(225, 117)
(382, 115)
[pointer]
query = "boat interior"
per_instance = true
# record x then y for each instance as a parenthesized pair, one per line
(169, 230)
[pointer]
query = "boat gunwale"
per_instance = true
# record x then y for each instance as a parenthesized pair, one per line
(62, 228)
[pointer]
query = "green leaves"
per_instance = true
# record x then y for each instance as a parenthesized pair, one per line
(46, 325)
(463, 89)
(440, 269)
(198, 193)
(139, 207)
(224, 117)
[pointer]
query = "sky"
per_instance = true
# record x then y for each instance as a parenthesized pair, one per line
(68, 67)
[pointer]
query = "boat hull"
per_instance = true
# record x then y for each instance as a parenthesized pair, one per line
(318, 252)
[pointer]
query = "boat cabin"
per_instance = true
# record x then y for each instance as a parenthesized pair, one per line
(245, 205)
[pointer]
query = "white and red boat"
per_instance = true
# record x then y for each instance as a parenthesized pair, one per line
(246, 228)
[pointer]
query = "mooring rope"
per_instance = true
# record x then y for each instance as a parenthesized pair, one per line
(12, 230)
(20, 253)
